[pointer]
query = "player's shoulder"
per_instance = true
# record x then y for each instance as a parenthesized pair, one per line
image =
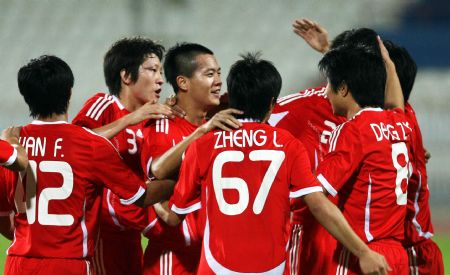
(162, 126)
(100, 103)
(310, 94)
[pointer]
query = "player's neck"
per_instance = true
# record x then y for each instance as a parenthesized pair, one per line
(195, 113)
(352, 111)
(129, 101)
(54, 117)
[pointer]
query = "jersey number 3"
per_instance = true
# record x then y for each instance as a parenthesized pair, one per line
(220, 183)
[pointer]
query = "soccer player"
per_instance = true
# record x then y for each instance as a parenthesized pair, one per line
(368, 163)
(12, 154)
(245, 178)
(133, 74)
(194, 74)
(424, 255)
(57, 200)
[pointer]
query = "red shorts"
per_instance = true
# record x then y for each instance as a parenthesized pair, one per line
(118, 253)
(345, 262)
(181, 261)
(425, 258)
(310, 250)
(18, 265)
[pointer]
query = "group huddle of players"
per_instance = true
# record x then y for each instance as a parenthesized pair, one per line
(260, 186)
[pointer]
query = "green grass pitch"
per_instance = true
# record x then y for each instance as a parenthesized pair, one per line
(442, 240)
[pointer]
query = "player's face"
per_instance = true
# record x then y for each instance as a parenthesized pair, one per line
(335, 100)
(148, 84)
(205, 83)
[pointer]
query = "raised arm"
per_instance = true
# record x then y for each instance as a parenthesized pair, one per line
(11, 135)
(168, 165)
(393, 95)
(314, 34)
(332, 219)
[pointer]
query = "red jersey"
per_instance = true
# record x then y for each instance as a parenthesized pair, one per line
(58, 198)
(8, 154)
(160, 137)
(245, 178)
(369, 166)
(8, 181)
(309, 117)
(100, 110)
(418, 226)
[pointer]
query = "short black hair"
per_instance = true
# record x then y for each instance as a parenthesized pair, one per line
(46, 85)
(405, 66)
(181, 60)
(127, 54)
(360, 36)
(254, 85)
(361, 68)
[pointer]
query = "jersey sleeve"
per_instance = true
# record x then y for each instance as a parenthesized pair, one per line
(342, 161)
(8, 180)
(8, 154)
(186, 196)
(155, 144)
(96, 112)
(302, 180)
(111, 171)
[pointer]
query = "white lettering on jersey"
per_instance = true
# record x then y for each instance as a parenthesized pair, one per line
(57, 146)
(34, 146)
(241, 138)
(388, 131)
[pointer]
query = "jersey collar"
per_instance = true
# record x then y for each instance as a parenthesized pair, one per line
(40, 122)
(248, 120)
(373, 109)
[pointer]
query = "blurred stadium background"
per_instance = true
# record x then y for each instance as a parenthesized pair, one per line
(80, 32)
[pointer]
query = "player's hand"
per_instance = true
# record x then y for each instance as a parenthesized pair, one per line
(11, 134)
(222, 120)
(371, 262)
(314, 34)
(385, 54)
(427, 155)
(171, 101)
(150, 110)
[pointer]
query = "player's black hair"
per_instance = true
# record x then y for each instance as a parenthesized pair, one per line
(127, 54)
(405, 67)
(181, 60)
(254, 84)
(361, 69)
(46, 85)
(361, 36)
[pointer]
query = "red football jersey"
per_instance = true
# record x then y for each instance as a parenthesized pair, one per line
(369, 167)
(245, 178)
(309, 117)
(8, 182)
(418, 226)
(100, 110)
(160, 137)
(58, 199)
(8, 154)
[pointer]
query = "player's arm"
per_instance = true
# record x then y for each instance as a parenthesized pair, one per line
(167, 215)
(393, 97)
(157, 191)
(168, 164)
(313, 33)
(332, 219)
(11, 135)
(149, 110)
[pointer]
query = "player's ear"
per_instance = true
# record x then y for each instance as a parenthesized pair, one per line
(343, 89)
(125, 77)
(182, 83)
